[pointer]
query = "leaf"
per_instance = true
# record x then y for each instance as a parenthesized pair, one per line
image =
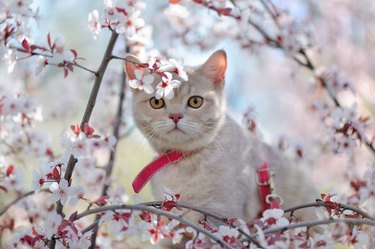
(10, 170)
(74, 53)
(26, 45)
(66, 72)
(73, 216)
(3, 188)
(49, 40)
(56, 173)
(87, 129)
(145, 216)
(101, 200)
(75, 128)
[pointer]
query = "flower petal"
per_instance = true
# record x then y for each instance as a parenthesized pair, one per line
(148, 88)
(138, 74)
(159, 93)
(168, 93)
(148, 79)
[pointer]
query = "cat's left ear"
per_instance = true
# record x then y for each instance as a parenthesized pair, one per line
(130, 65)
(215, 67)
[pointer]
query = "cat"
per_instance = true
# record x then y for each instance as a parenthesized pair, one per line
(219, 174)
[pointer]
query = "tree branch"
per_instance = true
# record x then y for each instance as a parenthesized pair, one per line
(20, 197)
(156, 211)
(320, 203)
(87, 115)
(116, 134)
(319, 222)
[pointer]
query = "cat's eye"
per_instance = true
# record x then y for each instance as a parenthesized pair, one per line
(156, 103)
(195, 102)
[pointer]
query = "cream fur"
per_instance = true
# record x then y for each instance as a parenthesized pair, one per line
(220, 173)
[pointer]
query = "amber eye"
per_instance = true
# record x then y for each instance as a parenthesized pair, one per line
(156, 103)
(195, 102)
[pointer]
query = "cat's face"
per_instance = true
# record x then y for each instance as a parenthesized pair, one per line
(191, 119)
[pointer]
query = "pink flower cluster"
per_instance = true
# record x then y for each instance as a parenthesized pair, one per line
(164, 70)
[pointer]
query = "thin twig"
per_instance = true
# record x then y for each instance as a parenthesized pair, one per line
(20, 197)
(116, 134)
(320, 222)
(319, 203)
(156, 211)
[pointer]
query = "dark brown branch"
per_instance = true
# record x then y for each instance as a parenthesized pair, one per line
(116, 134)
(320, 203)
(87, 115)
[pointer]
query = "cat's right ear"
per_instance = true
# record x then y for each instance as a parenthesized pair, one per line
(215, 67)
(130, 66)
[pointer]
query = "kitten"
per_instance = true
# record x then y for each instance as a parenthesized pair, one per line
(219, 174)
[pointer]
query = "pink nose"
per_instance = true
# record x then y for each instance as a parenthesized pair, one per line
(175, 117)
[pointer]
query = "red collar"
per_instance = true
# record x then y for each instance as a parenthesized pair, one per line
(266, 186)
(155, 166)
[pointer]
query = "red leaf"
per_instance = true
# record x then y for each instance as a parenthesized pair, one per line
(73, 216)
(225, 11)
(331, 207)
(25, 45)
(49, 152)
(10, 170)
(145, 216)
(87, 129)
(66, 72)
(56, 173)
(69, 66)
(49, 40)
(101, 200)
(75, 128)
(3, 188)
(168, 205)
(74, 53)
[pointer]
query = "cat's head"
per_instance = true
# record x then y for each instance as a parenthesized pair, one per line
(192, 118)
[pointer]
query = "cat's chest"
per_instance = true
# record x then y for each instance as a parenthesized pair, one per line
(187, 177)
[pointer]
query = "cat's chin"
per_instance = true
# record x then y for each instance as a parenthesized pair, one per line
(178, 140)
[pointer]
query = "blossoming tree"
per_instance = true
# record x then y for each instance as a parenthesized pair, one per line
(71, 202)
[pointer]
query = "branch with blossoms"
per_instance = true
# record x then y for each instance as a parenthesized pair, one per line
(348, 129)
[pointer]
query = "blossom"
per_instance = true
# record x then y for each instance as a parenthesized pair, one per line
(11, 58)
(179, 69)
(228, 234)
(142, 82)
(52, 224)
(61, 191)
(21, 7)
(166, 86)
(129, 24)
(94, 25)
(274, 217)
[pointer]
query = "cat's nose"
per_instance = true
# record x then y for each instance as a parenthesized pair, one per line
(176, 117)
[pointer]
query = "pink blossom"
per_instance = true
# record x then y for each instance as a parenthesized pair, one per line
(165, 88)
(61, 191)
(94, 25)
(10, 57)
(52, 224)
(273, 217)
(142, 81)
